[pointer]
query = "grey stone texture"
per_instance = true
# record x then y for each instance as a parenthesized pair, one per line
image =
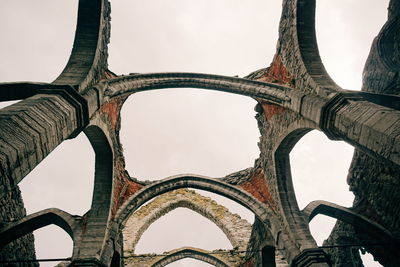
(294, 95)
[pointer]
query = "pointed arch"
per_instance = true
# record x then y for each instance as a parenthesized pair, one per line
(88, 58)
(346, 215)
(236, 229)
(35, 221)
(200, 182)
(193, 253)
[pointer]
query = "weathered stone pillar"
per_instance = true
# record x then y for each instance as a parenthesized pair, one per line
(32, 128)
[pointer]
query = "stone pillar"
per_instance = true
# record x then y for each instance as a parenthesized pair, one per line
(32, 128)
(370, 127)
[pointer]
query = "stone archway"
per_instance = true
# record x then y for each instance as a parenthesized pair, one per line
(35, 221)
(216, 258)
(236, 229)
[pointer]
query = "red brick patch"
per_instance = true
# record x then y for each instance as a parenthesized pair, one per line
(258, 187)
(272, 109)
(112, 109)
(124, 187)
(277, 73)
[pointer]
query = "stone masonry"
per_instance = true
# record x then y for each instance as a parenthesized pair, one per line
(294, 94)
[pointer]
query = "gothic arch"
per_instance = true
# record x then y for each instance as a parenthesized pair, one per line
(91, 38)
(35, 221)
(282, 165)
(346, 215)
(236, 229)
(103, 168)
(97, 219)
(200, 182)
(220, 258)
(308, 46)
(266, 216)
(193, 253)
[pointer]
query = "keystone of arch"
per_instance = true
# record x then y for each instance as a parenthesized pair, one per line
(236, 229)
(37, 220)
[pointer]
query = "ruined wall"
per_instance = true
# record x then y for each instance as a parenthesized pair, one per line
(258, 241)
(57, 114)
(12, 209)
(343, 234)
(294, 96)
(375, 183)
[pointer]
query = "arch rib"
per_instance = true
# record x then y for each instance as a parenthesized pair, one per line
(308, 46)
(141, 82)
(346, 215)
(193, 253)
(199, 182)
(236, 229)
(88, 58)
(35, 221)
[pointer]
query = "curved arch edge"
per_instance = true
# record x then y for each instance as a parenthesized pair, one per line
(189, 252)
(37, 220)
(88, 58)
(229, 223)
(347, 215)
(195, 181)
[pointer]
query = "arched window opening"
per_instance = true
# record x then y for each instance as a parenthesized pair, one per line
(168, 132)
(221, 37)
(46, 38)
(64, 179)
(189, 262)
(345, 46)
(51, 242)
(181, 228)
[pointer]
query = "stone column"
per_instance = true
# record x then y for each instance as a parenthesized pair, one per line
(32, 128)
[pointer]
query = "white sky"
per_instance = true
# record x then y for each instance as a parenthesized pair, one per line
(175, 131)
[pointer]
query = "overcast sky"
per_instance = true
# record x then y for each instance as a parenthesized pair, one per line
(167, 132)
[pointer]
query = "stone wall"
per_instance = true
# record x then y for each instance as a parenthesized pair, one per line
(258, 241)
(375, 183)
(12, 209)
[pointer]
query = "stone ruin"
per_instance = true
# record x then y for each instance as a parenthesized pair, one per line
(294, 94)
